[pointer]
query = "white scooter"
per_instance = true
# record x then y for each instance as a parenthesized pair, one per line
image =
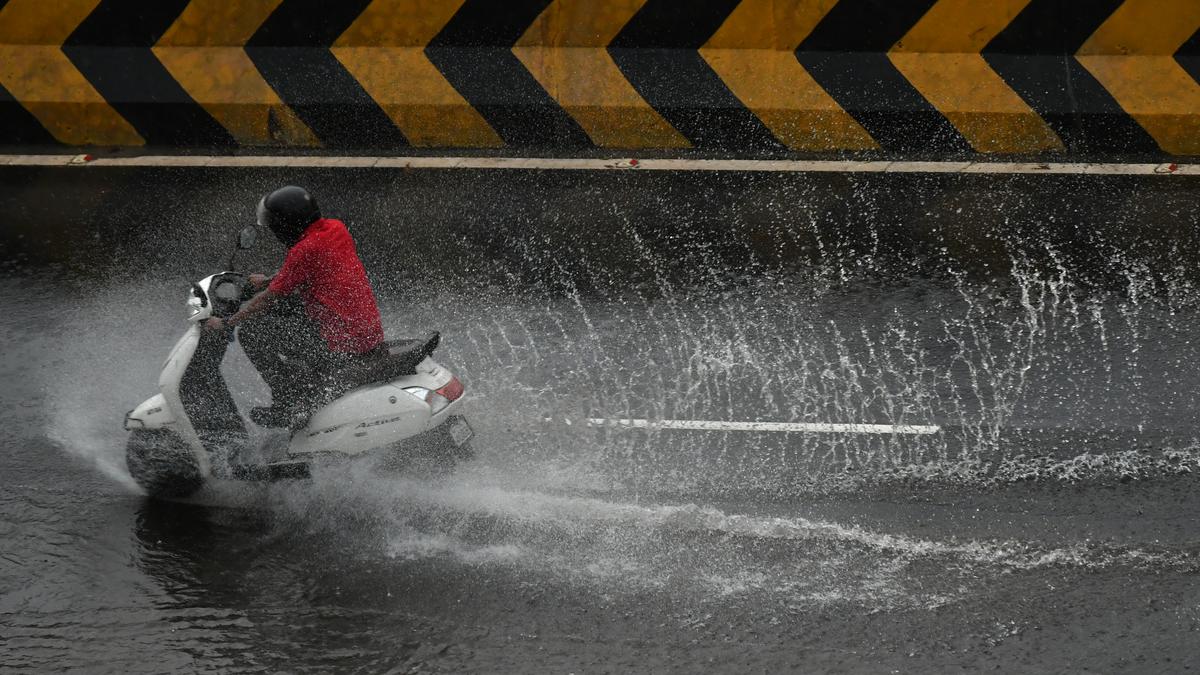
(405, 407)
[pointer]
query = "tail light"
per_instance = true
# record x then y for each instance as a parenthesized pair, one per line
(438, 400)
(453, 389)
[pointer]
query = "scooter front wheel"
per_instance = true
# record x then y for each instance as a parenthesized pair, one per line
(162, 464)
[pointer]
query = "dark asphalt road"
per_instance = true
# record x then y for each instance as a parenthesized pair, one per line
(1047, 323)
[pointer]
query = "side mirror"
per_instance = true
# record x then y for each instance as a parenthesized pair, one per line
(247, 237)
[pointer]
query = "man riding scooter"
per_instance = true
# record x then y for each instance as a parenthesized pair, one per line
(315, 320)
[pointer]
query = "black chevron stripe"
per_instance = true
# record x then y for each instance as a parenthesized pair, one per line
(112, 50)
(474, 53)
(1188, 56)
(657, 53)
(1034, 56)
(847, 55)
(291, 50)
(17, 125)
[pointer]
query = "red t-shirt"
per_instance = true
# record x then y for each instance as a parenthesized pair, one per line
(325, 268)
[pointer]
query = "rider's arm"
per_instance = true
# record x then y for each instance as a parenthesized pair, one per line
(257, 305)
(295, 272)
(258, 281)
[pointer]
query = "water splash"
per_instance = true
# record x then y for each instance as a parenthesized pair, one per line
(698, 553)
(988, 360)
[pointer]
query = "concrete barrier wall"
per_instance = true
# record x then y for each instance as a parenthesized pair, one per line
(756, 77)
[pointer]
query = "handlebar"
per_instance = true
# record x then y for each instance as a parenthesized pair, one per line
(228, 291)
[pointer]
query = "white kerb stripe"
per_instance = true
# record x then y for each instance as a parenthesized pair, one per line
(785, 427)
(627, 164)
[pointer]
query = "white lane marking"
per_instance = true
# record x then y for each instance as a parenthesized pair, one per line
(586, 164)
(784, 427)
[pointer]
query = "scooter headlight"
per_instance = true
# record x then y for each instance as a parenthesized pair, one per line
(194, 307)
(197, 301)
(436, 401)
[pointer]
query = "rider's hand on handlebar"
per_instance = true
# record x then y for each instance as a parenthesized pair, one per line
(214, 324)
(259, 280)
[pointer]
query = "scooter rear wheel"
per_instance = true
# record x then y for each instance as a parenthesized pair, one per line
(162, 464)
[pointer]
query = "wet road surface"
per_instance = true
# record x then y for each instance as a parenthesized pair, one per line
(1047, 324)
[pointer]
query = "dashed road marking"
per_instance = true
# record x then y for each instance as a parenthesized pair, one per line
(777, 427)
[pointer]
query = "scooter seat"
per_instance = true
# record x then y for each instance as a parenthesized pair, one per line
(425, 345)
(400, 359)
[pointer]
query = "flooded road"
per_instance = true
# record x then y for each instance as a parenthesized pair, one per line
(1045, 324)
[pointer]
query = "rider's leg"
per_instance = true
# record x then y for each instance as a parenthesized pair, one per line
(335, 373)
(283, 344)
(327, 379)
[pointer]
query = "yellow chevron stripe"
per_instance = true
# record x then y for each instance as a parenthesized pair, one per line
(384, 49)
(1131, 54)
(203, 51)
(564, 49)
(754, 53)
(940, 56)
(35, 71)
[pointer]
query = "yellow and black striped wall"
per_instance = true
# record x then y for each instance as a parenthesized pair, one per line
(749, 76)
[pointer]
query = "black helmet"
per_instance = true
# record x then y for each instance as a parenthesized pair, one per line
(287, 212)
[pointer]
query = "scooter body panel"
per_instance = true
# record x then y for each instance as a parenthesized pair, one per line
(168, 384)
(153, 413)
(374, 416)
